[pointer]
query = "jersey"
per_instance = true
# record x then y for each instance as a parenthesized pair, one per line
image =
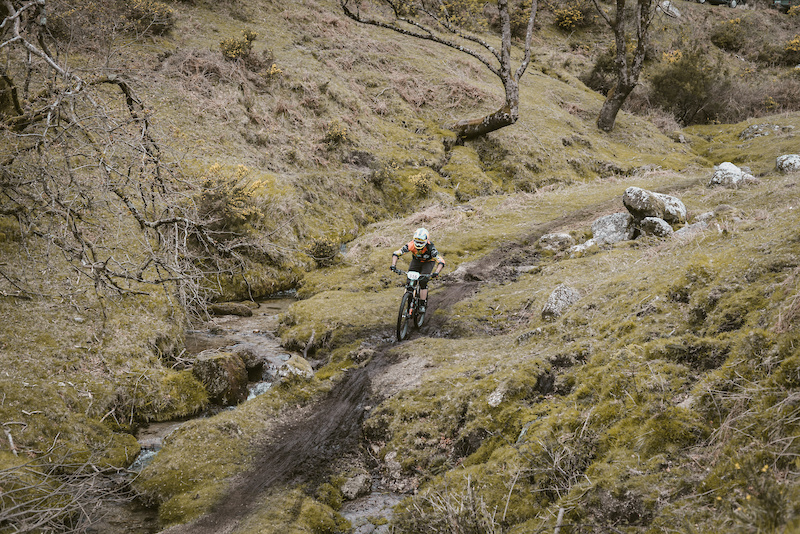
(426, 254)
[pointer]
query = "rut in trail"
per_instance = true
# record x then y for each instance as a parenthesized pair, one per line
(300, 449)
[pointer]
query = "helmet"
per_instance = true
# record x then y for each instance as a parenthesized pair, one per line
(420, 237)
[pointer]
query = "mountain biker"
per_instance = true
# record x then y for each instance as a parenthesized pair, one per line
(424, 256)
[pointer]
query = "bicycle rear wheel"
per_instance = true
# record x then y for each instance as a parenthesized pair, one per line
(403, 317)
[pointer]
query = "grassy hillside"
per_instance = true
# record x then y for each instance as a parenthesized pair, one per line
(667, 396)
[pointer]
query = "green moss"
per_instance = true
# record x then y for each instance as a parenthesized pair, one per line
(332, 318)
(188, 505)
(294, 512)
(121, 451)
(700, 353)
(330, 495)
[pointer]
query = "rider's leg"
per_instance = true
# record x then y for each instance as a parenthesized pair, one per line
(426, 268)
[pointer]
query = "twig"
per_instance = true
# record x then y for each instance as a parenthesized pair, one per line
(10, 440)
(559, 521)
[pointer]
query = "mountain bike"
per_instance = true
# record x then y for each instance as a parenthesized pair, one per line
(409, 313)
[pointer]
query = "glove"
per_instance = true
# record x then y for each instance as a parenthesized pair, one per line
(393, 269)
(434, 275)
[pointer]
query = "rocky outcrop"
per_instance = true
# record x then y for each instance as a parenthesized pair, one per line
(788, 163)
(560, 299)
(649, 214)
(761, 130)
(729, 175)
(224, 376)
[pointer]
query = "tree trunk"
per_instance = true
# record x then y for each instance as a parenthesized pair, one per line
(470, 128)
(509, 112)
(608, 113)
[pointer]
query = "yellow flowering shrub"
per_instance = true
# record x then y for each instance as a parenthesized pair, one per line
(568, 18)
(336, 134)
(730, 35)
(234, 48)
(792, 51)
(230, 199)
(422, 182)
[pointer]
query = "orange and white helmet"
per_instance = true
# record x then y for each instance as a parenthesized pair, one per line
(420, 238)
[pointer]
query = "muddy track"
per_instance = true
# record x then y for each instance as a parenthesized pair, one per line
(311, 438)
(300, 450)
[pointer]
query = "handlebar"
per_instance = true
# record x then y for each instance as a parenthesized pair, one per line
(421, 276)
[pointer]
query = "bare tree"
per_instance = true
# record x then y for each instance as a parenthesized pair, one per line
(83, 172)
(434, 20)
(59, 496)
(627, 69)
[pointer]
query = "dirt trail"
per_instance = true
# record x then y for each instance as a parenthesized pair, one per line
(303, 448)
(313, 437)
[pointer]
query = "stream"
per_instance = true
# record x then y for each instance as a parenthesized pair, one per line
(256, 331)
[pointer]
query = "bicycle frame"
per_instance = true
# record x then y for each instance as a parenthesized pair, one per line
(409, 304)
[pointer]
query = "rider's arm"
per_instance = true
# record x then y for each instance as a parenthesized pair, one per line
(397, 253)
(439, 259)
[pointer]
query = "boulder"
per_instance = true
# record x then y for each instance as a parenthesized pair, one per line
(613, 228)
(560, 299)
(788, 163)
(729, 175)
(556, 242)
(669, 9)
(224, 376)
(250, 354)
(655, 227)
(357, 486)
(583, 249)
(297, 365)
(642, 203)
(674, 209)
(692, 229)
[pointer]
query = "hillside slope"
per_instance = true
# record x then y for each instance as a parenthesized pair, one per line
(666, 396)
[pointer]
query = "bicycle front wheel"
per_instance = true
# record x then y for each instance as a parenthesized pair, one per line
(404, 317)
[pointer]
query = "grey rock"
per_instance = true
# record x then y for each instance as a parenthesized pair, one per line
(357, 486)
(788, 163)
(613, 228)
(655, 227)
(556, 242)
(729, 175)
(560, 299)
(224, 376)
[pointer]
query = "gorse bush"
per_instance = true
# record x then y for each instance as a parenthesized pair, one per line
(689, 86)
(792, 51)
(577, 14)
(730, 35)
(150, 17)
(230, 201)
(235, 48)
(336, 134)
(422, 182)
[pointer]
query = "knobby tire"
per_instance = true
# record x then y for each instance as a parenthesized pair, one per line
(403, 320)
(418, 318)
